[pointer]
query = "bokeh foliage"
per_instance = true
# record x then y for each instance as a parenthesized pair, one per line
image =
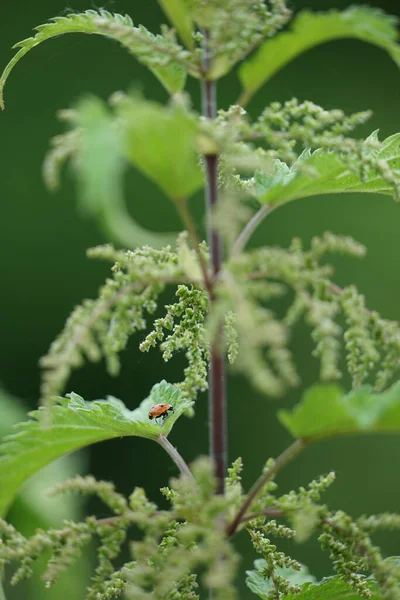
(43, 242)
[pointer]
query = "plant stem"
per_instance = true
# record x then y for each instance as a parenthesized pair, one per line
(174, 454)
(281, 461)
(245, 97)
(217, 375)
(249, 229)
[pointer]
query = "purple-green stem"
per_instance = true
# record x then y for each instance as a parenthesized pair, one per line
(217, 372)
(242, 515)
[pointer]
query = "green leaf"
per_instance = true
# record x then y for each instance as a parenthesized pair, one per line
(333, 588)
(31, 501)
(74, 424)
(99, 166)
(47, 511)
(12, 410)
(326, 411)
(311, 29)
(322, 172)
(329, 588)
(161, 142)
(145, 46)
(178, 13)
(263, 587)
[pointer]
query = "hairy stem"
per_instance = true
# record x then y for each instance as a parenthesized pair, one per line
(217, 375)
(174, 454)
(280, 462)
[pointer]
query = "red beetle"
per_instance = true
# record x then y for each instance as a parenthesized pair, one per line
(160, 410)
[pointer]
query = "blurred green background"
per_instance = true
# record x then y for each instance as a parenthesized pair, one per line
(44, 271)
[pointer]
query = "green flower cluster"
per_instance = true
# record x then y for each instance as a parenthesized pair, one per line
(101, 328)
(189, 545)
(347, 540)
(175, 545)
(185, 321)
(236, 27)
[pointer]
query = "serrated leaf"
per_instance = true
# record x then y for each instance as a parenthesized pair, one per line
(137, 40)
(161, 142)
(263, 587)
(311, 29)
(333, 588)
(326, 411)
(74, 423)
(321, 172)
(172, 76)
(31, 500)
(99, 166)
(329, 588)
(178, 13)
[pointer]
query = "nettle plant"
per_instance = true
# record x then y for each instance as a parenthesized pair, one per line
(221, 312)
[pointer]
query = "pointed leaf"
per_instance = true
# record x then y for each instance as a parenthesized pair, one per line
(161, 142)
(262, 586)
(321, 172)
(178, 13)
(74, 424)
(326, 411)
(137, 40)
(311, 29)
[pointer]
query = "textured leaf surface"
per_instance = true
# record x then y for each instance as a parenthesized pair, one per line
(332, 588)
(161, 142)
(100, 165)
(326, 410)
(178, 13)
(74, 424)
(311, 29)
(137, 40)
(329, 588)
(32, 504)
(263, 587)
(321, 172)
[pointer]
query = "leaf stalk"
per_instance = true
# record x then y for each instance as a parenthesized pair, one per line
(249, 229)
(174, 454)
